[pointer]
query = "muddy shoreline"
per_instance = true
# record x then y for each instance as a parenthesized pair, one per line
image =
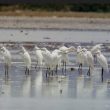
(98, 24)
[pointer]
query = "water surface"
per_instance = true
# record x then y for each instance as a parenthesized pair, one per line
(30, 35)
(74, 92)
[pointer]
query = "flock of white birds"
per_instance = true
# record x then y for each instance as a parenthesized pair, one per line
(57, 58)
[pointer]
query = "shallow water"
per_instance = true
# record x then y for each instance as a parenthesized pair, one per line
(74, 91)
(30, 35)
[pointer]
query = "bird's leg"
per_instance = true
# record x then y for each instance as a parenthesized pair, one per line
(5, 68)
(36, 65)
(81, 68)
(56, 69)
(49, 71)
(102, 74)
(46, 72)
(52, 72)
(65, 68)
(26, 71)
(62, 66)
(88, 73)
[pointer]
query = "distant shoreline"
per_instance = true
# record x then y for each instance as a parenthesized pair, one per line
(58, 23)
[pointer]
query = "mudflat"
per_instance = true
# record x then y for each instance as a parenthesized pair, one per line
(54, 22)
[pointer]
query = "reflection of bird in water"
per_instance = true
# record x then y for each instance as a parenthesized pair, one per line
(6, 57)
(6, 87)
(61, 83)
(102, 61)
(101, 91)
(26, 58)
(27, 86)
(38, 81)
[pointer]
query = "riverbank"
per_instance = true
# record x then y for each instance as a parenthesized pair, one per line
(69, 23)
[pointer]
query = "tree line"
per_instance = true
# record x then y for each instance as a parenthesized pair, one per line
(58, 7)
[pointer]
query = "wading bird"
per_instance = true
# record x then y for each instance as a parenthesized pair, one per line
(80, 58)
(89, 60)
(48, 60)
(26, 58)
(102, 61)
(39, 56)
(7, 58)
(64, 58)
(56, 59)
(94, 50)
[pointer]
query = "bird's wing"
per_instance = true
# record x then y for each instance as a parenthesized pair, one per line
(102, 61)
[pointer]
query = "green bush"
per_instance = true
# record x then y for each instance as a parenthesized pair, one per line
(59, 7)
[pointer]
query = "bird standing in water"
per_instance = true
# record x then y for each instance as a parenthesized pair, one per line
(103, 62)
(89, 60)
(26, 58)
(6, 57)
(39, 56)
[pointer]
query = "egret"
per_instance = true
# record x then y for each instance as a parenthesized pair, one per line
(7, 58)
(65, 50)
(47, 59)
(64, 57)
(26, 58)
(39, 56)
(102, 61)
(52, 59)
(89, 60)
(56, 59)
(80, 57)
(94, 50)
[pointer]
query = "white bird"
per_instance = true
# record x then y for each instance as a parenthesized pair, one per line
(102, 61)
(47, 59)
(94, 50)
(56, 59)
(39, 56)
(26, 58)
(80, 57)
(7, 58)
(65, 50)
(89, 60)
(64, 57)
(52, 60)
